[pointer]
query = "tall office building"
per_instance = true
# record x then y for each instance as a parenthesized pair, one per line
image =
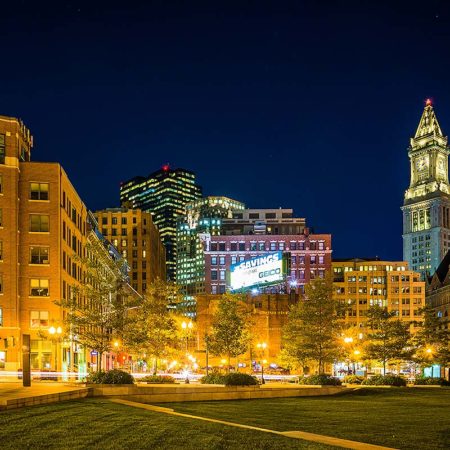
(165, 194)
(135, 236)
(202, 217)
(426, 208)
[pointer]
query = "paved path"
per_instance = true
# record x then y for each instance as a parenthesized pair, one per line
(16, 390)
(319, 438)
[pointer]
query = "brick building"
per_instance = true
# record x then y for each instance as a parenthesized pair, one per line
(310, 257)
(44, 227)
(136, 237)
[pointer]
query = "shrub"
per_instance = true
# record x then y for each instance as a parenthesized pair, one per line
(213, 378)
(353, 379)
(428, 381)
(385, 380)
(111, 377)
(322, 380)
(162, 379)
(239, 379)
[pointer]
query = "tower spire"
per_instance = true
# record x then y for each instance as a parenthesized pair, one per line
(428, 124)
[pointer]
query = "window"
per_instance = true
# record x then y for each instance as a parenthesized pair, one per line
(261, 246)
(2, 149)
(39, 223)
(144, 253)
(271, 216)
(214, 260)
(38, 319)
(114, 232)
(1, 217)
(1, 184)
(144, 265)
(222, 260)
(293, 245)
(253, 216)
(38, 191)
(214, 247)
(124, 231)
(321, 245)
(281, 246)
(104, 221)
(39, 255)
(222, 275)
(1, 283)
(214, 289)
(233, 246)
(273, 246)
(313, 259)
(253, 246)
(114, 220)
(222, 247)
(213, 274)
(1, 250)
(134, 253)
(124, 220)
(124, 253)
(241, 246)
(221, 289)
(321, 259)
(1, 317)
(233, 260)
(39, 287)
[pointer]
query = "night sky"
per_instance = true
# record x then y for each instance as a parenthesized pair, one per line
(304, 105)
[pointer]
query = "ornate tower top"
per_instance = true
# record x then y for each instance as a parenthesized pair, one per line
(428, 124)
(428, 153)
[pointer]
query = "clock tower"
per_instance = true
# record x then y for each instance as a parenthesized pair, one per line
(426, 208)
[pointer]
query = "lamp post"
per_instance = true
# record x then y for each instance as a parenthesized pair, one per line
(52, 331)
(262, 346)
(429, 352)
(187, 327)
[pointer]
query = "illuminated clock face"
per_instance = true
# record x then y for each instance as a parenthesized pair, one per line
(422, 163)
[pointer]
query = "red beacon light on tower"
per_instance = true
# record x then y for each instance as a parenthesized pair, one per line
(166, 167)
(428, 102)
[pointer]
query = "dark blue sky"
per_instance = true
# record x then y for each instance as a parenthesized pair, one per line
(307, 105)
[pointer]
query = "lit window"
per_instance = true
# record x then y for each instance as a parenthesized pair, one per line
(39, 223)
(1, 250)
(38, 191)
(1, 184)
(39, 255)
(39, 287)
(38, 319)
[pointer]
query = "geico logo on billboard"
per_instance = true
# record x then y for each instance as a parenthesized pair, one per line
(265, 269)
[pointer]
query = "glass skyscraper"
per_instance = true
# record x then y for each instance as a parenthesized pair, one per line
(165, 194)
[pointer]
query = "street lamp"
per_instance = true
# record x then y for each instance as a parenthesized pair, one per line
(429, 352)
(262, 346)
(187, 327)
(52, 331)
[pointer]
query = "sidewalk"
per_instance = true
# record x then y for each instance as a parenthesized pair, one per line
(14, 395)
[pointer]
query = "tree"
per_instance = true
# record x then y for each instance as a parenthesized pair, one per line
(97, 307)
(313, 326)
(230, 333)
(389, 337)
(152, 328)
(431, 341)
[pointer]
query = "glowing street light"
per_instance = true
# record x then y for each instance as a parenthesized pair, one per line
(262, 346)
(348, 340)
(56, 331)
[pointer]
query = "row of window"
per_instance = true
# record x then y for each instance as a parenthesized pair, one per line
(38, 191)
(123, 220)
(264, 246)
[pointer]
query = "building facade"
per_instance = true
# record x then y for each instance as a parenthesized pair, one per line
(136, 237)
(426, 208)
(359, 284)
(44, 229)
(309, 256)
(202, 217)
(165, 194)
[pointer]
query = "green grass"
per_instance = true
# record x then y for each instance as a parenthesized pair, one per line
(100, 424)
(406, 418)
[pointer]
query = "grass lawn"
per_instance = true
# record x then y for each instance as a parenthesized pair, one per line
(98, 423)
(406, 418)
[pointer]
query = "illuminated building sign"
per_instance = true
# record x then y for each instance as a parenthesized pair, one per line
(261, 271)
